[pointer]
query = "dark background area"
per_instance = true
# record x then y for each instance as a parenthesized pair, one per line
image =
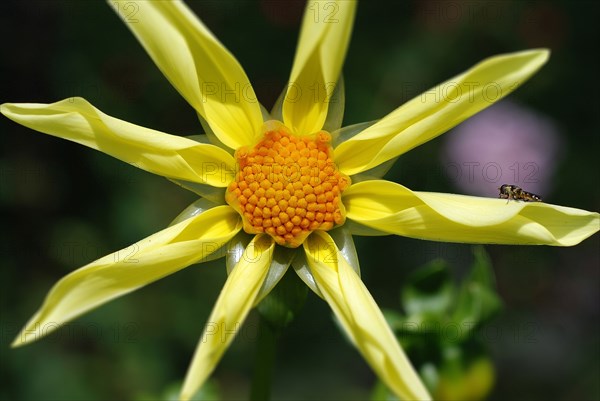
(63, 205)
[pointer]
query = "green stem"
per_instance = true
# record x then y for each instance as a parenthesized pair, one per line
(265, 359)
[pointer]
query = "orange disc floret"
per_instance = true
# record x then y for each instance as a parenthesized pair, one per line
(288, 186)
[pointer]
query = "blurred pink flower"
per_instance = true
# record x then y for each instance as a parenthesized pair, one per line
(504, 144)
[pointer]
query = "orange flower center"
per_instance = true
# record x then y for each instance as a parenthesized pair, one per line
(288, 186)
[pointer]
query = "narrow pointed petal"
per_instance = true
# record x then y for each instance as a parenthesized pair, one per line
(235, 301)
(393, 208)
(344, 244)
(321, 50)
(197, 65)
(171, 156)
(198, 207)
(282, 258)
(131, 268)
(437, 110)
(361, 318)
(301, 268)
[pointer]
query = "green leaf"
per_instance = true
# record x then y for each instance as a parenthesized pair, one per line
(394, 319)
(476, 305)
(428, 291)
(464, 375)
(381, 392)
(477, 299)
(481, 270)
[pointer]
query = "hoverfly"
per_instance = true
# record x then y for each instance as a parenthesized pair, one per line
(514, 192)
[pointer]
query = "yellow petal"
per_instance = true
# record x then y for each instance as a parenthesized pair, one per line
(197, 65)
(395, 209)
(361, 318)
(437, 110)
(198, 207)
(321, 50)
(133, 267)
(282, 257)
(344, 243)
(235, 301)
(171, 156)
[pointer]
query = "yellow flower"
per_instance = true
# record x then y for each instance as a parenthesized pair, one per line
(291, 178)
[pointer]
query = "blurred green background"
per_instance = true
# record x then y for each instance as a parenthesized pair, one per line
(63, 205)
